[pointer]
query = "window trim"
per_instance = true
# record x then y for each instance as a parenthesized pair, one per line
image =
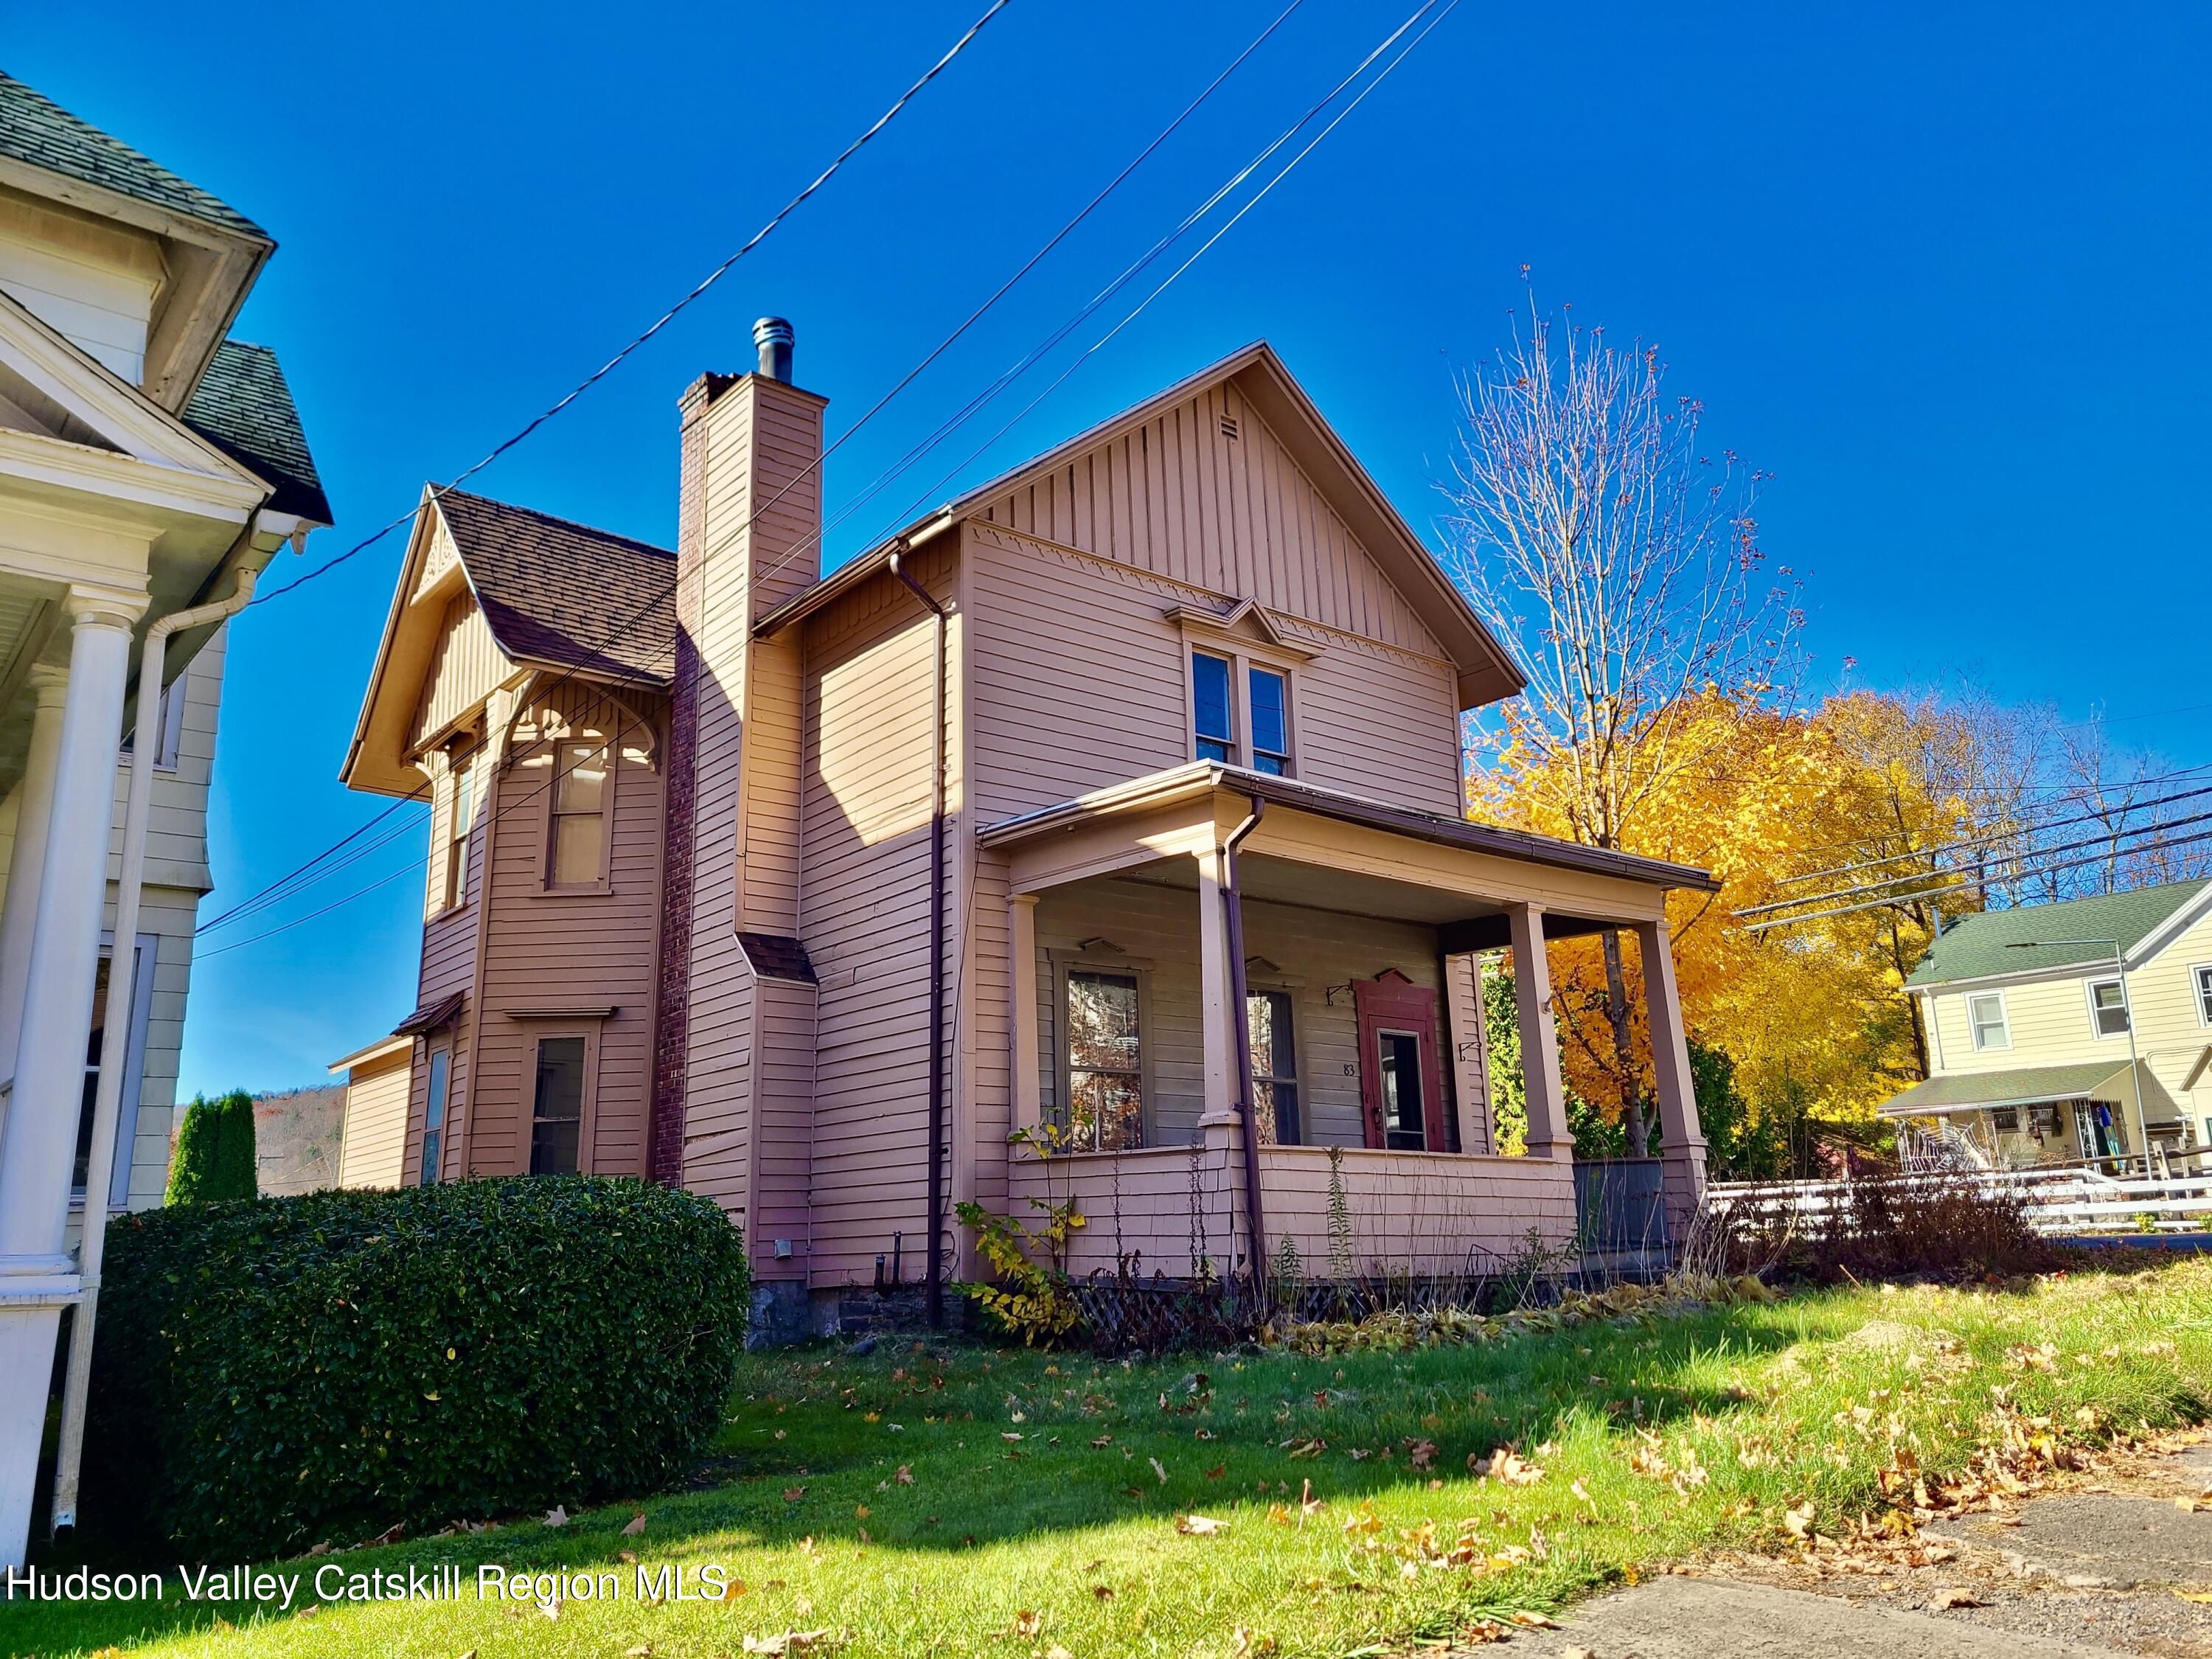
(1218, 636)
(609, 744)
(1233, 740)
(2097, 1031)
(2004, 1023)
(2200, 983)
(587, 1108)
(1055, 1112)
(1289, 752)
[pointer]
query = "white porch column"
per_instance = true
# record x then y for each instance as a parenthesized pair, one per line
(40, 1140)
(1549, 1135)
(1213, 1011)
(34, 810)
(1028, 1100)
(1681, 1142)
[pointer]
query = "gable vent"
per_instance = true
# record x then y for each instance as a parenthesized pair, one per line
(1228, 427)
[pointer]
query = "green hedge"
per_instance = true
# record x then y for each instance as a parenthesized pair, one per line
(215, 1159)
(279, 1372)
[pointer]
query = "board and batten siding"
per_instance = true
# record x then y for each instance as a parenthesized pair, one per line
(466, 666)
(864, 913)
(1180, 498)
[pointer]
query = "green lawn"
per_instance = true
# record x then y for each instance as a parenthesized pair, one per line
(1004, 1503)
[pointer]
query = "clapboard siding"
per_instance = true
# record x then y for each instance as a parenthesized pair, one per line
(569, 949)
(376, 1123)
(1155, 928)
(864, 914)
(1079, 683)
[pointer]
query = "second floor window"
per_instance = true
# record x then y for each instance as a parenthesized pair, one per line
(460, 822)
(2204, 993)
(1986, 1013)
(1214, 722)
(1271, 722)
(2108, 1007)
(577, 856)
(1251, 729)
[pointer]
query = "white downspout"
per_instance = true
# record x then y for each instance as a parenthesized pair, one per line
(122, 991)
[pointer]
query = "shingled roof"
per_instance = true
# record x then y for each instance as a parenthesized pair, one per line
(2068, 934)
(40, 132)
(244, 407)
(564, 593)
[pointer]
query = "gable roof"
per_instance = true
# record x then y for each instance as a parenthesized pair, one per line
(1991, 943)
(40, 133)
(553, 594)
(561, 593)
(243, 406)
(1486, 670)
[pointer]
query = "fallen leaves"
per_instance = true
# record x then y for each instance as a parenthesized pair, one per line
(1199, 1525)
(1944, 1600)
(789, 1642)
(1158, 1469)
(634, 1528)
(1506, 1465)
(556, 1517)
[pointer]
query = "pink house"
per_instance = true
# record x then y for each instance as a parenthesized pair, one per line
(1119, 798)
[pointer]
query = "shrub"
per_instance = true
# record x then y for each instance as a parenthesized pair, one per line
(285, 1371)
(215, 1160)
(1948, 1226)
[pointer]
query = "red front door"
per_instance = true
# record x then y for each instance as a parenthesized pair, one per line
(1400, 1083)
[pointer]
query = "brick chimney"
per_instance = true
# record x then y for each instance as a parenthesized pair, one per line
(750, 507)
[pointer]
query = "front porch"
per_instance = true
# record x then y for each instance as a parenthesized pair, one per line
(1210, 949)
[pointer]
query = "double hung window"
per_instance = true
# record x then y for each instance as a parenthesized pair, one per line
(1105, 1061)
(558, 1109)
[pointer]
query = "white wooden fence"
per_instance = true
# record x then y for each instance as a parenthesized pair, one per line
(2070, 1202)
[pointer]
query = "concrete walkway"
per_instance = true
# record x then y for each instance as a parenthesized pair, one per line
(2106, 1570)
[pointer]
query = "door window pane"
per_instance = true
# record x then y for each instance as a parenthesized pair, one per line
(1404, 1122)
(1105, 1059)
(1270, 722)
(1274, 1068)
(558, 1119)
(1212, 721)
(433, 1115)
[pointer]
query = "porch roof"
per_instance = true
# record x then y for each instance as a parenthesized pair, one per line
(1198, 778)
(2030, 1085)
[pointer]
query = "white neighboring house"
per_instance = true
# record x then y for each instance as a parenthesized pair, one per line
(148, 464)
(2081, 1029)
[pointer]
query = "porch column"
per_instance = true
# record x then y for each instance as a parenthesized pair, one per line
(34, 808)
(1549, 1135)
(1681, 1143)
(40, 1140)
(1021, 982)
(1219, 1127)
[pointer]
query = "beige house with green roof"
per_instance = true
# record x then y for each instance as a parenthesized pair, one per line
(2069, 1031)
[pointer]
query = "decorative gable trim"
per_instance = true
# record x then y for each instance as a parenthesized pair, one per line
(1244, 622)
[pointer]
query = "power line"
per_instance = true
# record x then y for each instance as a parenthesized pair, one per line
(665, 317)
(1168, 281)
(630, 622)
(2015, 862)
(1969, 884)
(1021, 365)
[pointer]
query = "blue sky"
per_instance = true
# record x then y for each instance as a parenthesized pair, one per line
(1942, 274)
